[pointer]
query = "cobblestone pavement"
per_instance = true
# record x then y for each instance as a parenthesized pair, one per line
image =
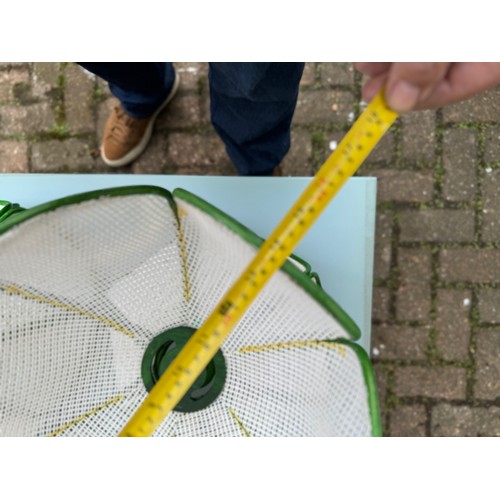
(436, 314)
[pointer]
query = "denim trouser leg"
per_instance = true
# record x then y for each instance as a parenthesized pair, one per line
(252, 105)
(140, 87)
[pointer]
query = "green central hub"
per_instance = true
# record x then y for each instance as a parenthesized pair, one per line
(164, 349)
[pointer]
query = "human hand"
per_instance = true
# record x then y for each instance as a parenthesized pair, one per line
(424, 85)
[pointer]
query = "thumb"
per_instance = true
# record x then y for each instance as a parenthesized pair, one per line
(410, 83)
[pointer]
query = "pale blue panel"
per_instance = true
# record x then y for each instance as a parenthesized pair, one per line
(339, 246)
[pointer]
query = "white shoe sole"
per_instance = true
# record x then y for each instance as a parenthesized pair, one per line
(138, 150)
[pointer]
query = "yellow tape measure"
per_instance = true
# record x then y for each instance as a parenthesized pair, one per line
(205, 342)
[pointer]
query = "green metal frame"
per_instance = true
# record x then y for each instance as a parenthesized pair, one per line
(7, 209)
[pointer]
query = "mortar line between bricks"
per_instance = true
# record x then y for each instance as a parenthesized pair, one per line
(391, 400)
(474, 321)
(402, 323)
(434, 281)
(29, 148)
(60, 107)
(466, 285)
(450, 245)
(433, 401)
(487, 326)
(421, 205)
(358, 93)
(423, 363)
(394, 275)
(390, 165)
(95, 114)
(428, 406)
(468, 125)
(397, 133)
(439, 160)
(479, 186)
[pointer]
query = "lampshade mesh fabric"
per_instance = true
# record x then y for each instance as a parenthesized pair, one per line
(84, 289)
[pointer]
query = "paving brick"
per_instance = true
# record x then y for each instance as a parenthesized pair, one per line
(102, 87)
(383, 245)
(13, 157)
(459, 163)
(489, 305)
(324, 107)
(384, 151)
(491, 206)
(309, 75)
(182, 112)
(381, 304)
(101, 167)
(390, 342)
(9, 65)
(452, 324)
(492, 145)
(193, 75)
(45, 76)
(469, 264)
(187, 151)
(448, 420)
(325, 143)
(437, 225)
(26, 120)
(103, 111)
(431, 382)
(382, 156)
(419, 131)
(482, 107)
(487, 383)
(154, 159)
(71, 155)
(8, 82)
(403, 185)
(298, 161)
(413, 300)
(215, 169)
(78, 100)
(206, 112)
(409, 421)
(337, 73)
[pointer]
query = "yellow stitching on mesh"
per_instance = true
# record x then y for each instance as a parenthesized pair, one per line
(243, 429)
(77, 420)
(295, 343)
(182, 243)
(14, 290)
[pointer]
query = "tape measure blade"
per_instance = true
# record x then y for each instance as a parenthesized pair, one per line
(359, 141)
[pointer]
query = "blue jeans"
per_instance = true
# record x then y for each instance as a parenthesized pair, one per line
(251, 104)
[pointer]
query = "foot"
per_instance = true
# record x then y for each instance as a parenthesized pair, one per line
(125, 138)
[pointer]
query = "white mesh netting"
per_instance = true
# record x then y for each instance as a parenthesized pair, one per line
(86, 287)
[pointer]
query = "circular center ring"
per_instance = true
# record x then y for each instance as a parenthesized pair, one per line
(160, 354)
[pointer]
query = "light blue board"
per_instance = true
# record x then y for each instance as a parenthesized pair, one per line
(339, 246)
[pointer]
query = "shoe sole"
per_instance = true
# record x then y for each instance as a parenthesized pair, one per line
(139, 149)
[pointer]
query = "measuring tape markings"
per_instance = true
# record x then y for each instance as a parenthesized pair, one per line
(203, 345)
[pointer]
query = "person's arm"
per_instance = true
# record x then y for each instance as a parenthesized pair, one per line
(423, 85)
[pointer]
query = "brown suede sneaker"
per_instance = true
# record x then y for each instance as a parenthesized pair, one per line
(125, 138)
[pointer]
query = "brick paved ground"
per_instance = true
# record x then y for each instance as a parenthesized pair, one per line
(436, 315)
